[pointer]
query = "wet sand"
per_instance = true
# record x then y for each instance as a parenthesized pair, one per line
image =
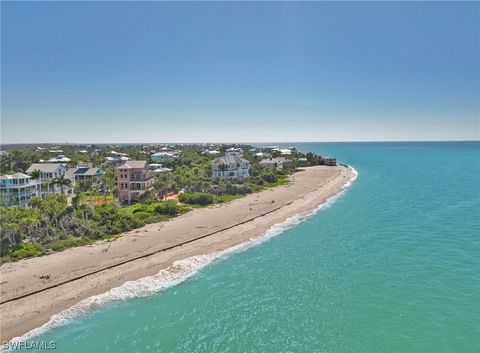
(79, 273)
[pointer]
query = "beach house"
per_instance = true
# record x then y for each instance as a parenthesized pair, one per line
(47, 173)
(302, 161)
(330, 161)
(116, 160)
(158, 168)
(59, 159)
(234, 150)
(85, 176)
(162, 157)
(230, 166)
(279, 163)
(133, 178)
(84, 173)
(17, 189)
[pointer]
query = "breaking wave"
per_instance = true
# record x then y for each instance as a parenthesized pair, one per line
(178, 272)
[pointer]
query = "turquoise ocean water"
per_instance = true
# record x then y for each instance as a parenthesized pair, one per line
(391, 266)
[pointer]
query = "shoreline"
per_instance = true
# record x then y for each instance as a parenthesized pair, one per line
(190, 242)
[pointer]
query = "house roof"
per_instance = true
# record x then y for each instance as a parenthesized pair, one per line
(93, 171)
(229, 159)
(162, 170)
(83, 171)
(15, 176)
(117, 158)
(274, 160)
(43, 167)
(133, 165)
(60, 158)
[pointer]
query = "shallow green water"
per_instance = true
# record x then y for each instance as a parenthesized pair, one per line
(391, 266)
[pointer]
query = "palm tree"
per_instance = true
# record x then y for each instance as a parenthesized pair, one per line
(62, 182)
(36, 174)
(161, 187)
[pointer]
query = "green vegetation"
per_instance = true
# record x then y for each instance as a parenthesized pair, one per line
(156, 211)
(62, 182)
(26, 249)
(197, 198)
(280, 180)
(227, 198)
(191, 173)
(51, 225)
(204, 199)
(63, 244)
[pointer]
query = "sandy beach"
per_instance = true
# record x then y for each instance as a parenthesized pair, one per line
(79, 273)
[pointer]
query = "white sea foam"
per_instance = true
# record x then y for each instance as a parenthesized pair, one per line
(178, 272)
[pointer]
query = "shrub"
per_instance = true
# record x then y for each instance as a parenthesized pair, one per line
(169, 208)
(197, 198)
(60, 245)
(269, 177)
(148, 217)
(26, 250)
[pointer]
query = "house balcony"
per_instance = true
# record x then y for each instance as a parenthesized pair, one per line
(137, 187)
(14, 193)
(140, 177)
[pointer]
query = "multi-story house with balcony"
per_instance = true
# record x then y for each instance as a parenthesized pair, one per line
(133, 178)
(48, 172)
(86, 177)
(17, 189)
(232, 165)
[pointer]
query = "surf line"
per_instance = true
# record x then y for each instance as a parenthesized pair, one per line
(154, 252)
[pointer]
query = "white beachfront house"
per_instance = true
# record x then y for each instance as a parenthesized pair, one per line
(17, 189)
(48, 172)
(283, 151)
(162, 157)
(230, 166)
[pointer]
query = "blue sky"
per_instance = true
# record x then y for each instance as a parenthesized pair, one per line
(244, 71)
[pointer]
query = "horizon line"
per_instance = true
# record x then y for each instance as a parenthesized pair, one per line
(227, 143)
